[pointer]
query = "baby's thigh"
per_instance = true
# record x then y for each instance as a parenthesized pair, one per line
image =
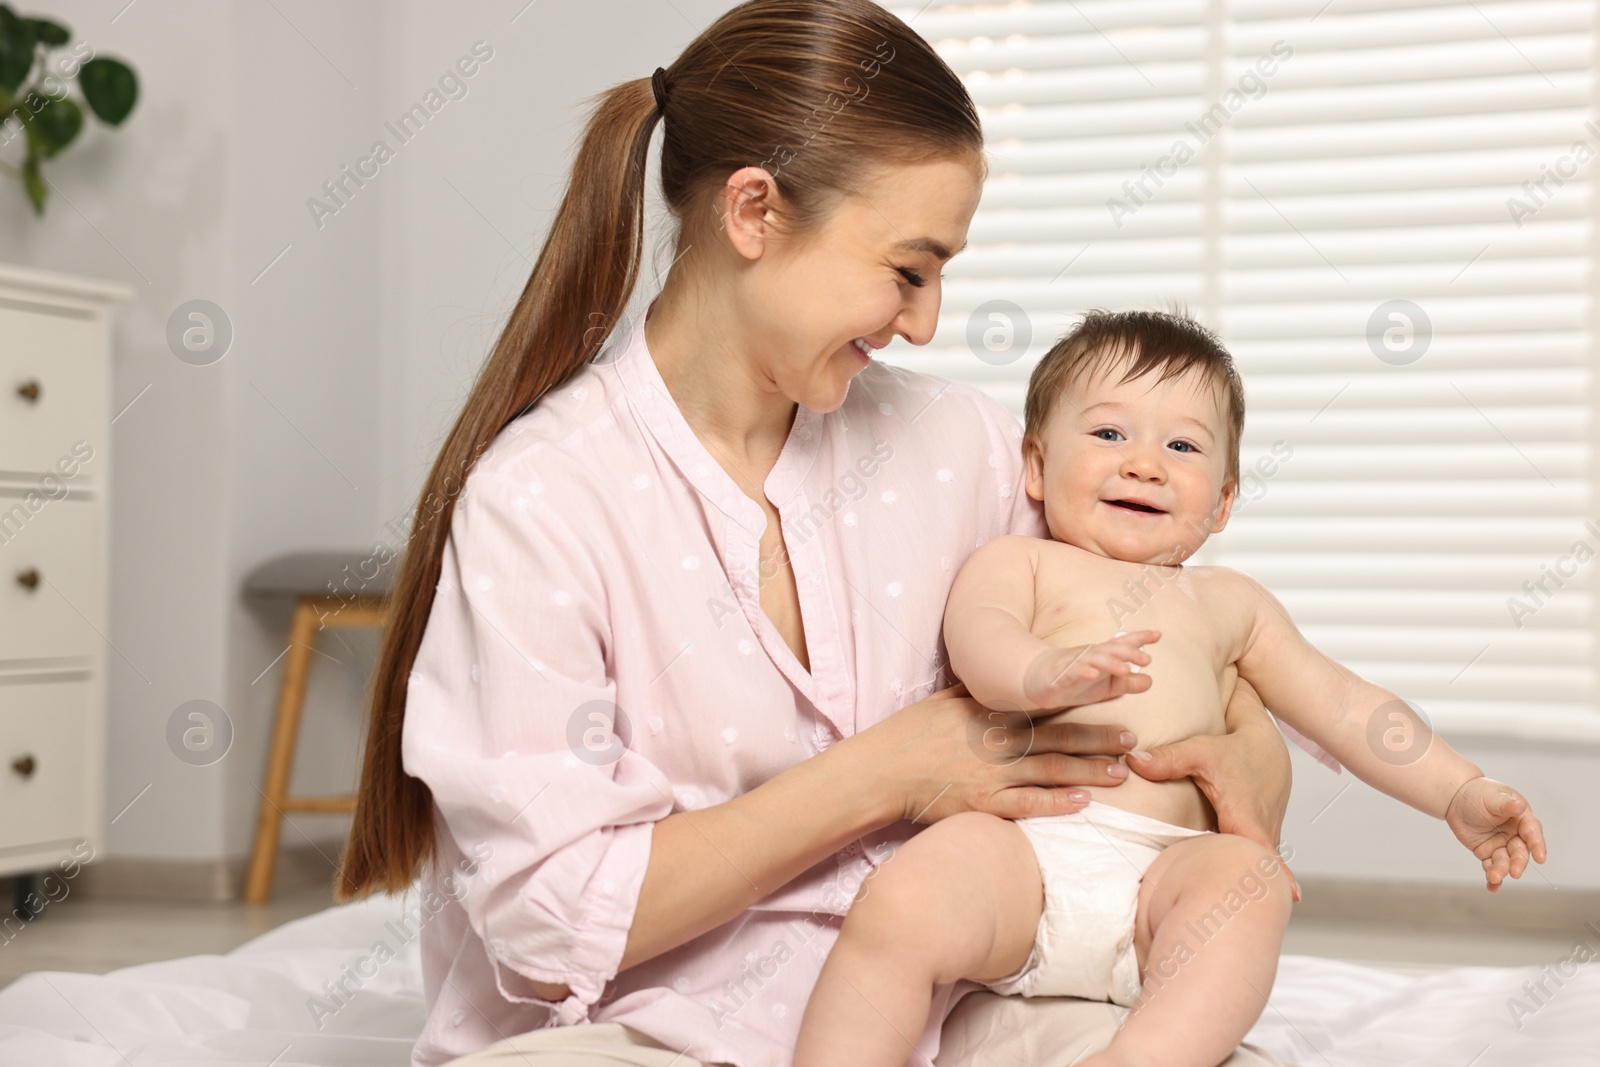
(967, 889)
(1215, 877)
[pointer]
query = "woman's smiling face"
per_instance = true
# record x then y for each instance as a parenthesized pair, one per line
(870, 273)
(1134, 470)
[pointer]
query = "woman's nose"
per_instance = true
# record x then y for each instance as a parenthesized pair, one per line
(919, 319)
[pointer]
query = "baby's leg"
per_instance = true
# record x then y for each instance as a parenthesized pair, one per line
(1210, 925)
(961, 899)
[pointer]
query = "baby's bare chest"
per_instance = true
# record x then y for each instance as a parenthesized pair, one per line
(1082, 599)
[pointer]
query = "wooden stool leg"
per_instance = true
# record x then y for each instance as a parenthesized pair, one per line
(291, 698)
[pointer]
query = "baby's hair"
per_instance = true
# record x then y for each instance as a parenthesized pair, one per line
(1169, 342)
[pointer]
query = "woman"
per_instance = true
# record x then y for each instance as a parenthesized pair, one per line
(663, 680)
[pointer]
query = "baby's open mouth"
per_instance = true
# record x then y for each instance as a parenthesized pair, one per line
(1136, 505)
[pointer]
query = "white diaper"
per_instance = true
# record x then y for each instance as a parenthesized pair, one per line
(1092, 862)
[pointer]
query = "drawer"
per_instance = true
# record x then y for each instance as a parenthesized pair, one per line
(44, 730)
(55, 349)
(60, 544)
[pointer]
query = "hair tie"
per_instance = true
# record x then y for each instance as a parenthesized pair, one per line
(658, 85)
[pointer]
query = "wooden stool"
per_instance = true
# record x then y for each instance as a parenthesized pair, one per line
(307, 577)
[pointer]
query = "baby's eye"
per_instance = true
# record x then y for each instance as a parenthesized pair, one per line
(1116, 435)
(1183, 446)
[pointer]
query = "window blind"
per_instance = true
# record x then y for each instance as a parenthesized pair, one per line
(1385, 211)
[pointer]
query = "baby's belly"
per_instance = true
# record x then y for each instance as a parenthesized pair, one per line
(1183, 701)
(1179, 801)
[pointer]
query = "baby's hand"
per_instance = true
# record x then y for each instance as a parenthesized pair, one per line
(1495, 822)
(1088, 674)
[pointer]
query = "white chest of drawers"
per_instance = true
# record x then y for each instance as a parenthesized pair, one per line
(55, 465)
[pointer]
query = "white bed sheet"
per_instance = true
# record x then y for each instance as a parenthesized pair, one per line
(254, 1006)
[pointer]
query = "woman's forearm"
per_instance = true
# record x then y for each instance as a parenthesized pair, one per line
(707, 866)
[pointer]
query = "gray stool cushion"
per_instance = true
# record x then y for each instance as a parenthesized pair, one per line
(324, 572)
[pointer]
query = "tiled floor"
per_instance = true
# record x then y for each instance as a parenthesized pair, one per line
(101, 935)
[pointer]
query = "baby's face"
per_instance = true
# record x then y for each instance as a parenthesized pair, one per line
(1134, 471)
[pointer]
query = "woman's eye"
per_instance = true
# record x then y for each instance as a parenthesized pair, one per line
(913, 277)
(1116, 435)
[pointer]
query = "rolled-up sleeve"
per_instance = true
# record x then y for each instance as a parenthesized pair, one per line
(508, 722)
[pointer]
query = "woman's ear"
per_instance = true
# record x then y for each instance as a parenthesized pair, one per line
(743, 206)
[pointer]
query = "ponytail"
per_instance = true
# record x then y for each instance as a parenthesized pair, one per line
(575, 295)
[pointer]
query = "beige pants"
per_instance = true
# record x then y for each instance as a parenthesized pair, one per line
(983, 1029)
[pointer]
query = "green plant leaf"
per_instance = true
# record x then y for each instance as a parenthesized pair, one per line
(55, 125)
(16, 48)
(111, 88)
(34, 182)
(49, 33)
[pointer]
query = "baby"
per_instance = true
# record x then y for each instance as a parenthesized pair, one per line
(1132, 443)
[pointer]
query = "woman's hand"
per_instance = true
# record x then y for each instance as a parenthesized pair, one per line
(1245, 773)
(948, 753)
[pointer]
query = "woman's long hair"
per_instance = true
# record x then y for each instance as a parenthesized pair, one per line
(818, 92)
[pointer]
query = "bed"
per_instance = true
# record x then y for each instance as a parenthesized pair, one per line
(274, 1001)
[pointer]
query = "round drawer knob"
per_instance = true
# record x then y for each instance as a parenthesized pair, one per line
(28, 579)
(24, 765)
(29, 390)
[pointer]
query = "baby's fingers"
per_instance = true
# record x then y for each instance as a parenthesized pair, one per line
(1496, 867)
(1519, 856)
(1126, 656)
(1107, 661)
(1130, 683)
(1531, 830)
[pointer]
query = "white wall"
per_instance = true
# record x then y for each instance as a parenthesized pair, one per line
(1359, 833)
(157, 212)
(365, 336)
(352, 351)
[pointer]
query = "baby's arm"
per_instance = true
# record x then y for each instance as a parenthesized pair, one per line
(1334, 707)
(988, 622)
